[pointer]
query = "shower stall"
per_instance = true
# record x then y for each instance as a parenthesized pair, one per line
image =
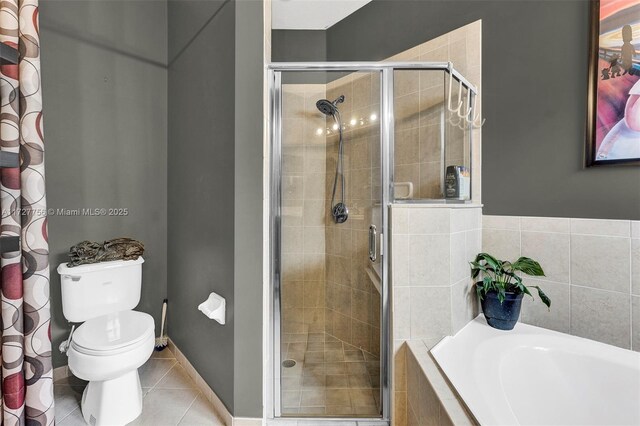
(346, 141)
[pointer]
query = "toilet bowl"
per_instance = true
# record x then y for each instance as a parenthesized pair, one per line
(107, 352)
(113, 340)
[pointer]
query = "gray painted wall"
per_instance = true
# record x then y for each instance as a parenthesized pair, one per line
(105, 111)
(298, 45)
(301, 46)
(201, 188)
(248, 207)
(188, 18)
(178, 143)
(534, 98)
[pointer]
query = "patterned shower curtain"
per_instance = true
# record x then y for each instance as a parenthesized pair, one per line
(26, 375)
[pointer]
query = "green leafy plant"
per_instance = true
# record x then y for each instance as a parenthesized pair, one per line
(500, 276)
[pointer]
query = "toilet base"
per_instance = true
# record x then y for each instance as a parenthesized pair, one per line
(113, 402)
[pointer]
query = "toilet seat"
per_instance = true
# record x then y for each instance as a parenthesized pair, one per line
(113, 333)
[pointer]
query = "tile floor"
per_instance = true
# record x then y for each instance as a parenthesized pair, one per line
(170, 397)
(330, 378)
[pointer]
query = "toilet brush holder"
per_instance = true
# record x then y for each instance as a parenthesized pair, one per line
(214, 307)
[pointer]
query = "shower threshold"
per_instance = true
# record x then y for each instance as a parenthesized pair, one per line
(307, 421)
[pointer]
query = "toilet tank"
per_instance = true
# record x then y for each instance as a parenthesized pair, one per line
(89, 291)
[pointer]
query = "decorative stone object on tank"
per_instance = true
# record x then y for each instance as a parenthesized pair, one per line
(117, 249)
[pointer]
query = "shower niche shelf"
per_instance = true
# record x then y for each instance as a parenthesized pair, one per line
(9, 54)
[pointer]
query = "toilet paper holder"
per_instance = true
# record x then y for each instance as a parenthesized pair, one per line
(214, 307)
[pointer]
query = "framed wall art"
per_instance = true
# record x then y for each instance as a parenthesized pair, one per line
(613, 122)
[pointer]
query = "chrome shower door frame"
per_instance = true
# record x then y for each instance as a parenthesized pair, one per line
(386, 72)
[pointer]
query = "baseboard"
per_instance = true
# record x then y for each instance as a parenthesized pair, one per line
(218, 405)
(211, 396)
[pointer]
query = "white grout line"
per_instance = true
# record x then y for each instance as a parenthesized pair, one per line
(428, 286)
(631, 322)
(544, 232)
(553, 232)
(623, 237)
(600, 289)
(543, 279)
(637, 349)
(189, 407)
(78, 408)
(70, 412)
(450, 319)
(163, 376)
(570, 281)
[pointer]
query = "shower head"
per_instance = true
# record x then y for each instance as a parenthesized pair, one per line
(327, 107)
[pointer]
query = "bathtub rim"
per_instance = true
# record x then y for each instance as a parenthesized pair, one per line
(444, 354)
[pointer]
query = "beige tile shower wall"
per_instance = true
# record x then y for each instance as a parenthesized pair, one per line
(303, 209)
(352, 301)
(432, 290)
(592, 273)
(422, 116)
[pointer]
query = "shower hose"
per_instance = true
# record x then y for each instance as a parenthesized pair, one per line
(339, 210)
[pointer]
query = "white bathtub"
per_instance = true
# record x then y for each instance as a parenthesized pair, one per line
(535, 376)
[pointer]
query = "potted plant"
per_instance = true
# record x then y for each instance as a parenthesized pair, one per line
(501, 289)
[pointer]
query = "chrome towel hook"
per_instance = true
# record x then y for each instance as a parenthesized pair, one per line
(466, 100)
(449, 107)
(468, 114)
(477, 122)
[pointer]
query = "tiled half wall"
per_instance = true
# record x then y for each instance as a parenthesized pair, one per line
(592, 276)
(431, 284)
(592, 273)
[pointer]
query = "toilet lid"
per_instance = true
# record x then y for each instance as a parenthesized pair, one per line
(114, 331)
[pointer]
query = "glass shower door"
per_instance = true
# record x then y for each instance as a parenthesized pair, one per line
(331, 221)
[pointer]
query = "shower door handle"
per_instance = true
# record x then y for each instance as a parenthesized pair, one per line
(373, 243)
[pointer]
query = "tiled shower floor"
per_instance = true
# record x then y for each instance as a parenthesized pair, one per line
(330, 378)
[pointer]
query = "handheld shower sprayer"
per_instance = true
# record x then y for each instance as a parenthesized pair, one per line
(339, 210)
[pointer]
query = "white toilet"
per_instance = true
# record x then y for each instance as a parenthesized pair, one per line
(113, 341)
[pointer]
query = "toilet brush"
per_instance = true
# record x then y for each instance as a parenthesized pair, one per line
(161, 342)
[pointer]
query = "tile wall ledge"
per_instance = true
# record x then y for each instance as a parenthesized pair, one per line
(452, 409)
(580, 221)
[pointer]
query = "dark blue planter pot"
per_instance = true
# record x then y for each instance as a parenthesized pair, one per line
(502, 316)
